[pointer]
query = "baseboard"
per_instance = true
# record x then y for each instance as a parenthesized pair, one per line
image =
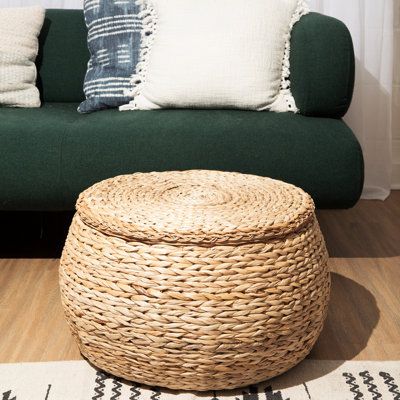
(396, 163)
(396, 176)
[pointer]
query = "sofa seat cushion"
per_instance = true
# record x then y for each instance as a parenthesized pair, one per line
(53, 153)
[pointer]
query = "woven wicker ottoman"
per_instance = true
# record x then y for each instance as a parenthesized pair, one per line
(195, 280)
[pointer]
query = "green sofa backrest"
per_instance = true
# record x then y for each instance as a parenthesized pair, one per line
(63, 56)
(322, 62)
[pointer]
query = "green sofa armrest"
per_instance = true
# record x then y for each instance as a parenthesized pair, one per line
(322, 66)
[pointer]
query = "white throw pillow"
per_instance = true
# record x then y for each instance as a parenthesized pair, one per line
(19, 31)
(216, 54)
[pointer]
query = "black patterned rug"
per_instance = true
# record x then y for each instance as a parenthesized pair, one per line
(311, 380)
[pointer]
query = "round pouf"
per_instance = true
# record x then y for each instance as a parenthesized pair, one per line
(195, 280)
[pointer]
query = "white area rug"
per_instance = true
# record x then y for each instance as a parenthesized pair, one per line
(315, 380)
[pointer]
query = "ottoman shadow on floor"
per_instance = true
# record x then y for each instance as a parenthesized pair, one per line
(195, 280)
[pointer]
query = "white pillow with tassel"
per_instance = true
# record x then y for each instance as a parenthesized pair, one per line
(215, 54)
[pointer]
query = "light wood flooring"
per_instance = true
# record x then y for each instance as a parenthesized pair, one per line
(364, 314)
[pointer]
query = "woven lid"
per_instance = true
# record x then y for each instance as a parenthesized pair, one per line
(199, 207)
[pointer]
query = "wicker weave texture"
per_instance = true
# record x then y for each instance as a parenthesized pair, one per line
(195, 316)
(197, 207)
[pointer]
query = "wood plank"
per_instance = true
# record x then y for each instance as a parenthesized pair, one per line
(32, 321)
(364, 316)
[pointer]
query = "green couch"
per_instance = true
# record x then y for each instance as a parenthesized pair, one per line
(49, 155)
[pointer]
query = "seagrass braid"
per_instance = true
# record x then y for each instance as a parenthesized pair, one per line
(203, 207)
(195, 316)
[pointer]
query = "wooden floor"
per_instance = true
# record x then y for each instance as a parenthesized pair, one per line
(364, 315)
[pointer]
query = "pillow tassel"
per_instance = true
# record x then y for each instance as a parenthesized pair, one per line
(147, 36)
(285, 101)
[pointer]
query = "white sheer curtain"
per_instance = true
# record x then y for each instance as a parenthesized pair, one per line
(371, 25)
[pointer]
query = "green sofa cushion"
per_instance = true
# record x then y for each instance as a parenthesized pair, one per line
(51, 154)
(322, 66)
(63, 56)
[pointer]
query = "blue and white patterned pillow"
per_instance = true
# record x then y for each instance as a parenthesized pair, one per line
(114, 31)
